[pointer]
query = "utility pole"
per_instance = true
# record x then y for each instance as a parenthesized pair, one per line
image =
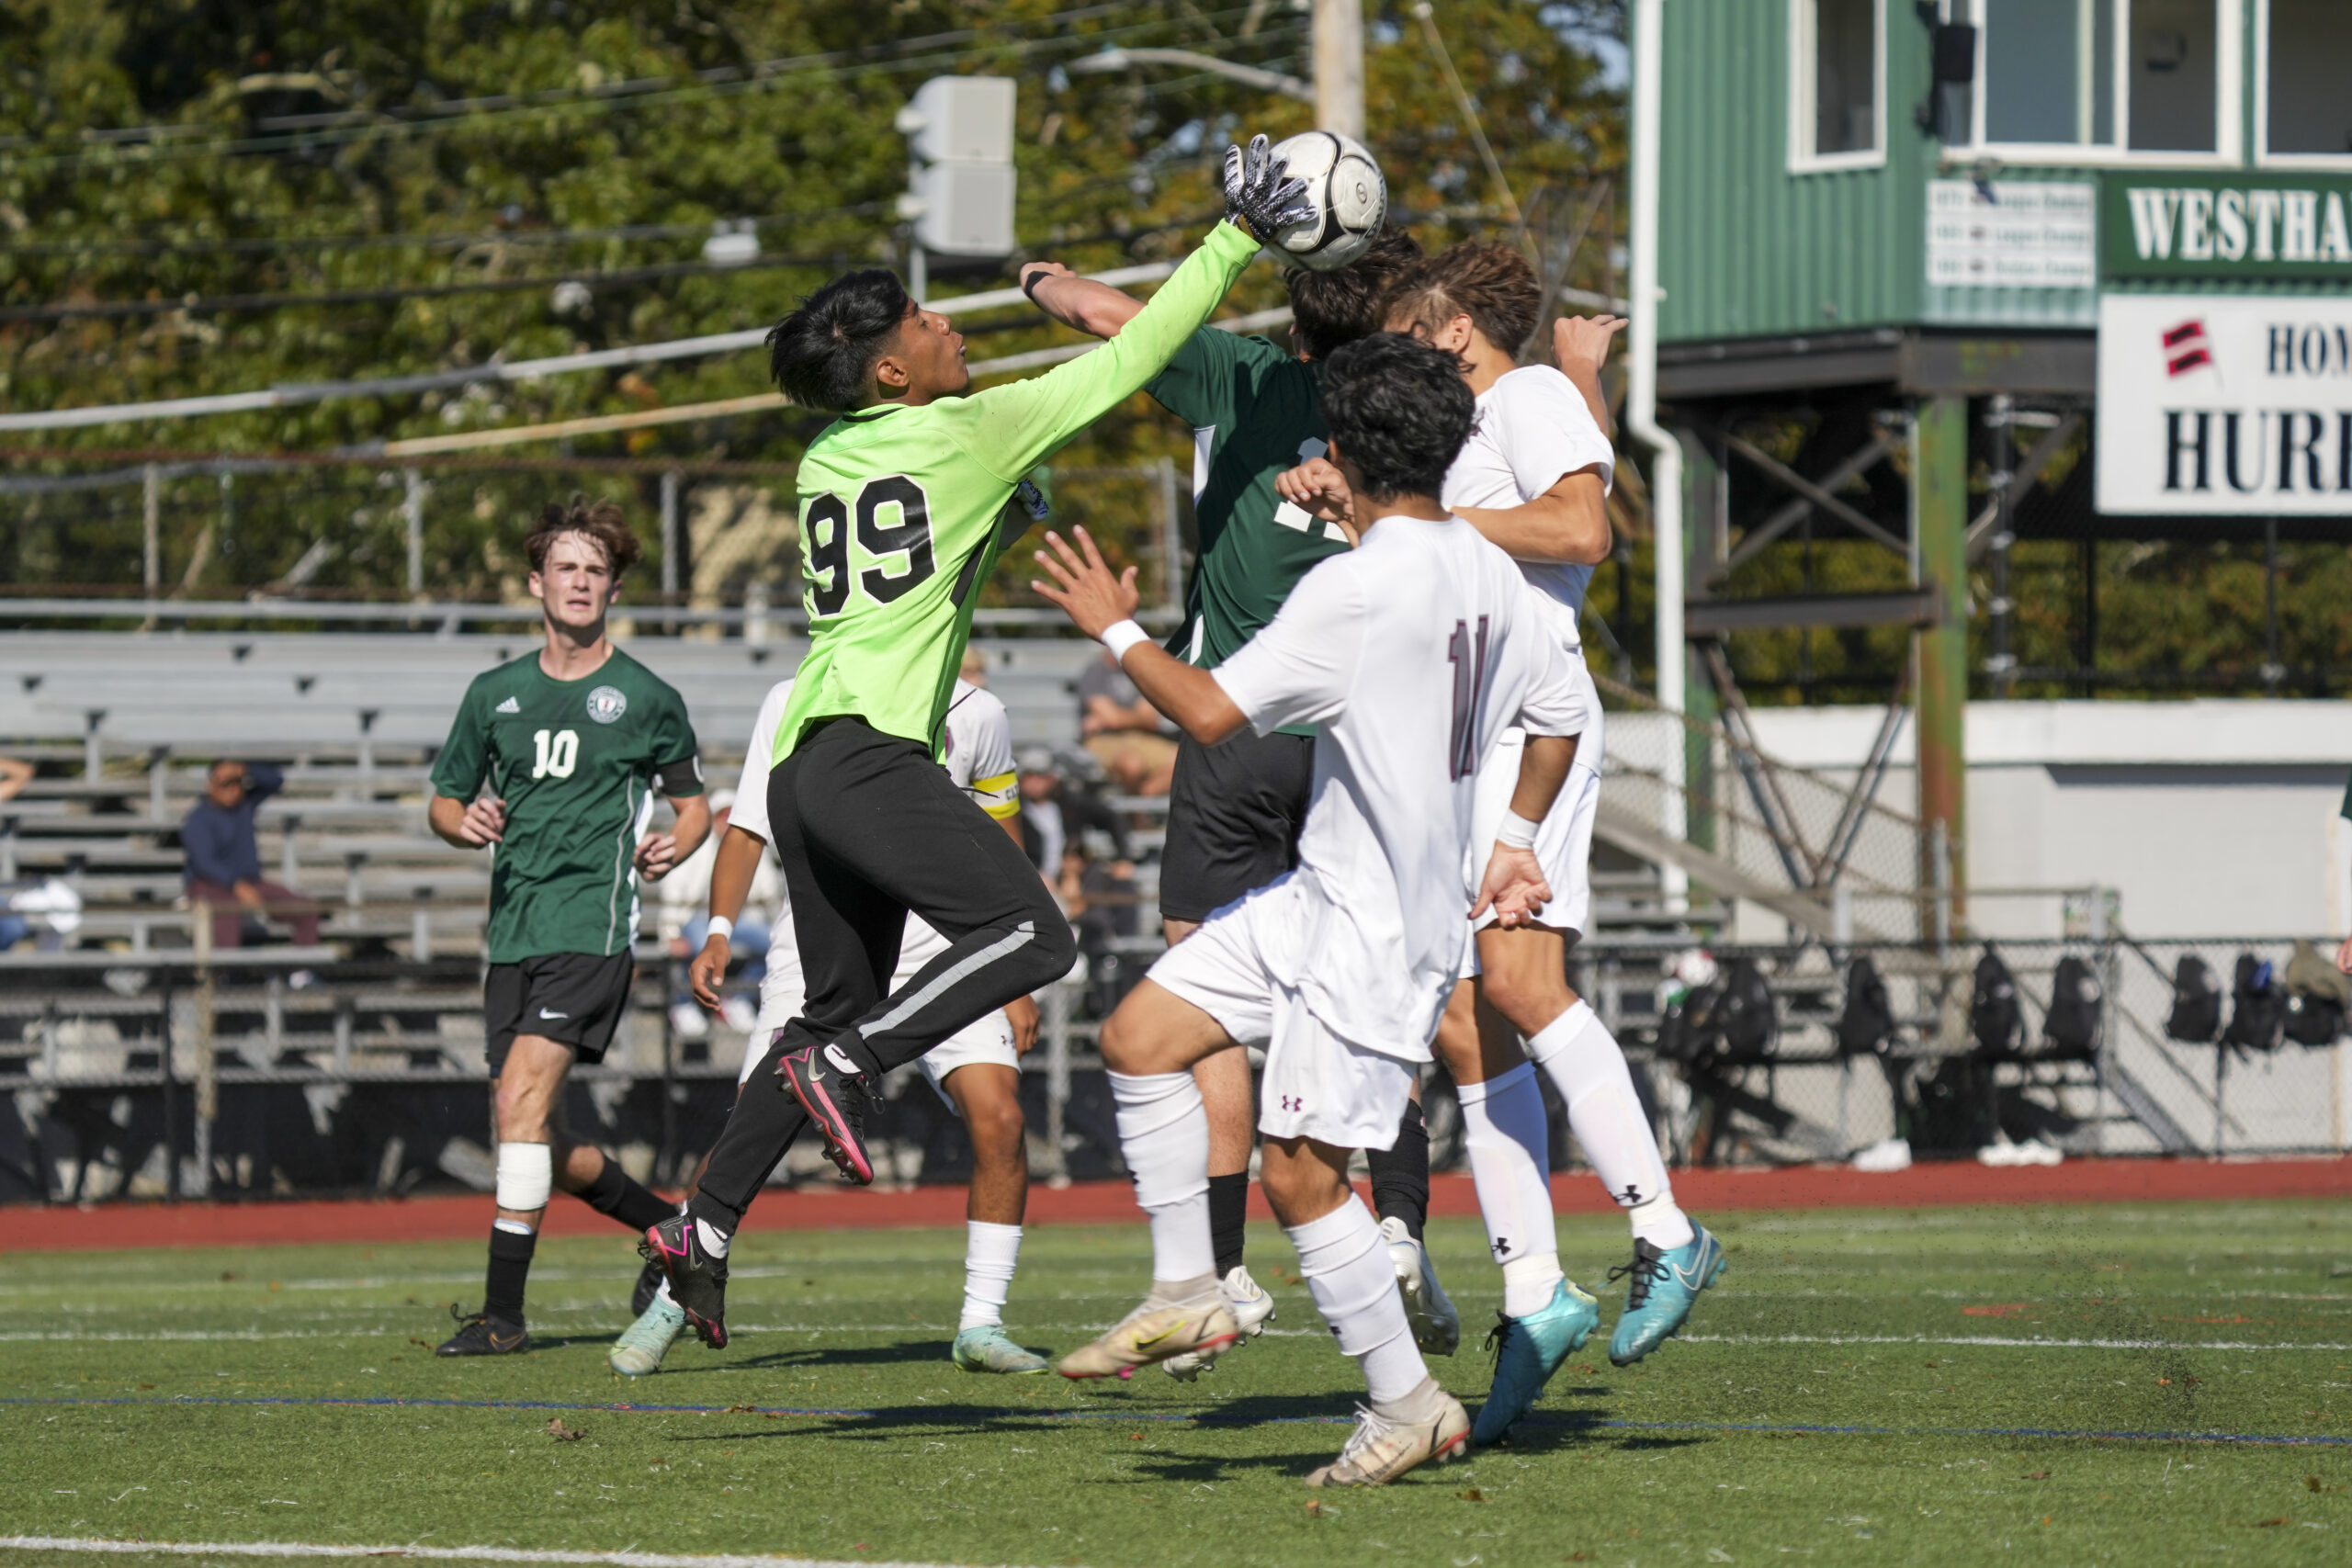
(1339, 66)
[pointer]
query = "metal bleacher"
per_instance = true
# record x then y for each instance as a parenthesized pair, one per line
(113, 1025)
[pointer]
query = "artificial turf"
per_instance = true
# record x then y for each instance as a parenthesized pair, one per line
(2029, 1385)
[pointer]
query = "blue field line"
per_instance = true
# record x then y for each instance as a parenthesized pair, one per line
(1214, 1418)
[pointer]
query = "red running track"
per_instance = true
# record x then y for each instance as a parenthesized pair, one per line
(1958, 1184)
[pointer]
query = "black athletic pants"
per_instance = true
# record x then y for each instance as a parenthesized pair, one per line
(870, 828)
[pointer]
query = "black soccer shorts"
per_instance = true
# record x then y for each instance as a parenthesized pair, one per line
(572, 999)
(1234, 817)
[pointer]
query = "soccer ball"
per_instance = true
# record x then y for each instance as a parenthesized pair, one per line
(1349, 198)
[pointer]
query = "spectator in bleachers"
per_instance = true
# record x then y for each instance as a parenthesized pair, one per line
(1124, 733)
(1057, 810)
(15, 775)
(224, 856)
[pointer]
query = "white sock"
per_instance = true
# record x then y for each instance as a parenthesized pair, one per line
(1587, 1067)
(713, 1240)
(1508, 1135)
(1164, 1137)
(989, 1253)
(1347, 1269)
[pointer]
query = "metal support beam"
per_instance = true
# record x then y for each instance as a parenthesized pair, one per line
(1843, 511)
(1885, 446)
(1941, 475)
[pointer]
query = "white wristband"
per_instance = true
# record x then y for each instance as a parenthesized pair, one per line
(1517, 832)
(720, 926)
(1122, 636)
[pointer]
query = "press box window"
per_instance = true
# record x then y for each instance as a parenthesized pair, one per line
(2132, 76)
(2307, 53)
(1836, 81)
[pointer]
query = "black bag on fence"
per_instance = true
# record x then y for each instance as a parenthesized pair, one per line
(2070, 1030)
(2196, 1014)
(1994, 1016)
(1684, 1034)
(2312, 1021)
(1867, 1026)
(2258, 1007)
(1744, 1014)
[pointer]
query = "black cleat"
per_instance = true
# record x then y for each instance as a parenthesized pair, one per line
(649, 1280)
(835, 1094)
(698, 1280)
(483, 1335)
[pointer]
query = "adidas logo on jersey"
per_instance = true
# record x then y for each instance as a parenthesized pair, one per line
(509, 706)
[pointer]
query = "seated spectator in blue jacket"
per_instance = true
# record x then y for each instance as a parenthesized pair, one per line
(224, 858)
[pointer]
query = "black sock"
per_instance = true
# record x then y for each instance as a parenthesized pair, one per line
(613, 1193)
(1228, 1219)
(1400, 1175)
(509, 1269)
(765, 1120)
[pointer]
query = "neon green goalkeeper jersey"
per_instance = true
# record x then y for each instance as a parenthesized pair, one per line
(904, 510)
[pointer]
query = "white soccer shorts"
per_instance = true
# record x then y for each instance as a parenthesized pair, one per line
(985, 1039)
(1317, 1085)
(1563, 840)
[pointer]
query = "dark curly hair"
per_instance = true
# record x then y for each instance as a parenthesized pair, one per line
(822, 355)
(1333, 308)
(601, 521)
(1399, 410)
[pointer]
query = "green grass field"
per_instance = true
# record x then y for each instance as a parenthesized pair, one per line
(2042, 1385)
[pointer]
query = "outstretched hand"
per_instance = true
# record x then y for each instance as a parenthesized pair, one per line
(1083, 584)
(1581, 343)
(1513, 887)
(1258, 194)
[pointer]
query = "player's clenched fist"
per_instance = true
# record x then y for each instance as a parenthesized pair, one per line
(484, 823)
(656, 853)
(1083, 584)
(1318, 488)
(1513, 887)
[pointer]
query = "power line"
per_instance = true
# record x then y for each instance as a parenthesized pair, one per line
(227, 303)
(450, 241)
(300, 394)
(656, 90)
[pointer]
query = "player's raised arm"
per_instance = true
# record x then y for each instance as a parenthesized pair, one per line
(1082, 303)
(1103, 607)
(1023, 423)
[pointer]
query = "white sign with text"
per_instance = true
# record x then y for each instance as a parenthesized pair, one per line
(2214, 404)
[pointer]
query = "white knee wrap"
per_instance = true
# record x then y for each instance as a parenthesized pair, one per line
(526, 1175)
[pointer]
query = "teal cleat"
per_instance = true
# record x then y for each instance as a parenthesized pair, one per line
(988, 1348)
(1664, 1287)
(642, 1344)
(1528, 1350)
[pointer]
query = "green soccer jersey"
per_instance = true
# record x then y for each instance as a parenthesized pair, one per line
(577, 763)
(904, 510)
(1255, 409)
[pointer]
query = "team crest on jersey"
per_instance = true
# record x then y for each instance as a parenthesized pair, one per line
(607, 703)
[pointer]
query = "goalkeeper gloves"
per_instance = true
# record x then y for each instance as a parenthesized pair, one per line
(1258, 195)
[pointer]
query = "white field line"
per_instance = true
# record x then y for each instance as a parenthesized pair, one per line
(440, 1553)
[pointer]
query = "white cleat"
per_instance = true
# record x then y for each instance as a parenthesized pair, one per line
(1152, 1333)
(1382, 1450)
(1437, 1328)
(1253, 1308)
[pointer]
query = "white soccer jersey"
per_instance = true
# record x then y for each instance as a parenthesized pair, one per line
(1409, 655)
(1533, 428)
